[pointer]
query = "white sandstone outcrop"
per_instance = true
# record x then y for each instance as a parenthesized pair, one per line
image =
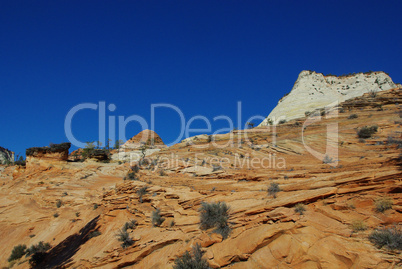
(313, 90)
(6, 156)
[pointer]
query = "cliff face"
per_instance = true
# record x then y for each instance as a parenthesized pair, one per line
(313, 90)
(44, 156)
(6, 155)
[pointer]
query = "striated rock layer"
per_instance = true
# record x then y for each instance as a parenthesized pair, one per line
(6, 156)
(81, 207)
(44, 156)
(313, 91)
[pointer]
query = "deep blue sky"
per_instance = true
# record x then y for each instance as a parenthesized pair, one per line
(202, 56)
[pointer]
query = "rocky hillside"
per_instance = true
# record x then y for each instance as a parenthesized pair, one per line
(6, 156)
(313, 91)
(287, 209)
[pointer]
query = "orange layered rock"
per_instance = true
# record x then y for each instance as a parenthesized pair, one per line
(266, 230)
(45, 156)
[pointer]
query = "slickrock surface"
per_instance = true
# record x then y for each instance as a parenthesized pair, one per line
(313, 91)
(266, 231)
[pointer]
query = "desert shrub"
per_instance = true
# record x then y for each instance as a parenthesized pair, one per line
(58, 203)
(77, 214)
(56, 215)
(162, 173)
(141, 192)
(95, 206)
(391, 238)
(300, 208)
(156, 218)
(94, 234)
(192, 261)
(129, 225)
(273, 189)
(124, 238)
(383, 204)
(216, 168)
(327, 159)
(131, 176)
(282, 121)
(17, 252)
(215, 215)
(358, 225)
(394, 141)
(373, 93)
(353, 116)
(37, 252)
(367, 131)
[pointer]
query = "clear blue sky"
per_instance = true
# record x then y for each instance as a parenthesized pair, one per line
(201, 56)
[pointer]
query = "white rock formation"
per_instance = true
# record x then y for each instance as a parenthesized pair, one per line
(6, 156)
(313, 90)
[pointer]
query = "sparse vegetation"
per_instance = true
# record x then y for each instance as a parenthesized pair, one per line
(394, 141)
(353, 116)
(193, 260)
(383, 204)
(215, 215)
(17, 252)
(273, 189)
(162, 173)
(58, 203)
(94, 234)
(282, 121)
(156, 218)
(358, 225)
(131, 224)
(367, 131)
(37, 252)
(216, 168)
(327, 159)
(131, 176)
(95, 206)
(390, 238)
(141, 192)
(300, 208)
(124, 238)
(56, 215)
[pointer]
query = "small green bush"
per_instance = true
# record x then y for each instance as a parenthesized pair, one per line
(273, 189)
(367, 131)
(124, 237)
(56, 215)
(327, 159)
(391, 238)
(156, 218)
(353, 116)
(300, 208)
(383, 204)
(358, 225)
(215, 215)
(192, 261)
(17, 252)
(141, 192)
(94, 234)
(96, 206)
(58, 203)
(37, 252)
(129, 225)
